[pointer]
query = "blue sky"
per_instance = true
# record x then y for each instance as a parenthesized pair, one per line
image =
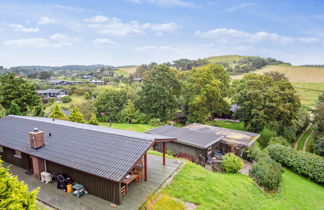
(123, 32)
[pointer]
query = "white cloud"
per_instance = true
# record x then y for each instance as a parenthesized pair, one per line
(161, 27)
(117, 27)
(97, 19)
(46, 20)
(173, 3)
(54, 41)
(152, 48)
(225, 35)
(103, 41)
(22, 28)
(239, 7)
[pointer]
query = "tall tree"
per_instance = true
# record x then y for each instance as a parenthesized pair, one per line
(14, 109)
(18, 90)
(14, 193)
(159, 94)
(76, 116)
(110, 103)
(205, 90)
(57, 113)
(265, 102)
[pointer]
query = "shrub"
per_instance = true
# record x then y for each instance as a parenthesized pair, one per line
(231, 163)
(267, 172)
(66, 99)
(155, 122)
(278, 140)
(253, 152)
(87, 95)
(303, 163)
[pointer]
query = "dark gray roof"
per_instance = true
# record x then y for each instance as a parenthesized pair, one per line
(188, 137)
(102, 151)
(49, 91)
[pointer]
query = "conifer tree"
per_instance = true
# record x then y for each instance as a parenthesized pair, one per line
(57, 113)
(76, 116)
(93, 119)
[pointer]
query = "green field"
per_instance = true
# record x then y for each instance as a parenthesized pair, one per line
(130, 127)
(309, 91)
(126, 71)
(210, 190)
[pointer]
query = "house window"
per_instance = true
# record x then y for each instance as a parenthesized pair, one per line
(1, 149)
(17, 154)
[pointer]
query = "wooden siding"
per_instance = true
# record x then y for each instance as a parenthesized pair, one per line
(95, 185)
(8, 156)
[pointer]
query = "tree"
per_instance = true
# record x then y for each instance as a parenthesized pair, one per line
(87, 108)
(14, 193)
(93, 119)
(44, 75)
(3, 111)
(205, 90)
(57, 113)
(110, 103)
(158, 97)
(129, 112)
(14, 109)
(76, 116)
(265, 102)
(18, 90)
(276, 76)
(86, 95)
(319, 127)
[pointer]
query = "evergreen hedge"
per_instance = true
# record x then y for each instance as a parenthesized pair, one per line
(303, 163)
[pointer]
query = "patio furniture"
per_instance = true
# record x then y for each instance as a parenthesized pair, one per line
(127, 181)
(46, 177)
(139, 173)
(78, 189)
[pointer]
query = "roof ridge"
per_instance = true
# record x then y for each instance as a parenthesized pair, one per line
(68, 123)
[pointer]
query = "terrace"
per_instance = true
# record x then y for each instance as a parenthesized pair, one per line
(135, 197)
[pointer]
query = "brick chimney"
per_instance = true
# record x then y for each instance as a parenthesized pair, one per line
(36, 139)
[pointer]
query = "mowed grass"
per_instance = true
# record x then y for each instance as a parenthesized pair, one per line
(308, 92)
(226, 58)
(131, 127)
(210, 190)
(166, 202)
(294, 73)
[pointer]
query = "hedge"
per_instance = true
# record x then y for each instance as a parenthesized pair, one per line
(267, 172)
(304, 163)
(231, 163)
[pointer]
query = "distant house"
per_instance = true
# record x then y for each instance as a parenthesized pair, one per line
(52, 93)
(195, 141)
(97, 82)
(64, 82)
(87, 77)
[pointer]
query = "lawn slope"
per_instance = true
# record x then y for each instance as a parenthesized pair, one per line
(211, 190)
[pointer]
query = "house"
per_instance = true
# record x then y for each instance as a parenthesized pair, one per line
(195, 141)
(87, 77)
(97, 82)
(52, 93)
(97, 157)
(64, 82)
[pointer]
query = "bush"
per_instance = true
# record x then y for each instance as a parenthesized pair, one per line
(303, 163)
(267, 172)
(231, 163)
(253, 152)
(66, 99)
(278, 140)
(155, 122)
(86, 95)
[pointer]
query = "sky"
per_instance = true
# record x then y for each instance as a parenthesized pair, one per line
(132, 32)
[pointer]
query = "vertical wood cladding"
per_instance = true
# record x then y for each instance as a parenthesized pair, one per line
(8, 156)
(95, 185)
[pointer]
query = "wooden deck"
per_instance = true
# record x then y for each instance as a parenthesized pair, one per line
(137, 195)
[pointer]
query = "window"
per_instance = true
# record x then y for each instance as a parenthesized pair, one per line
(1, 149)
(17, 154)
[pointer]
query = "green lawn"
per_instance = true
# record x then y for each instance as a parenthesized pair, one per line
(131, 127)
(310, 143)
(210, 190)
